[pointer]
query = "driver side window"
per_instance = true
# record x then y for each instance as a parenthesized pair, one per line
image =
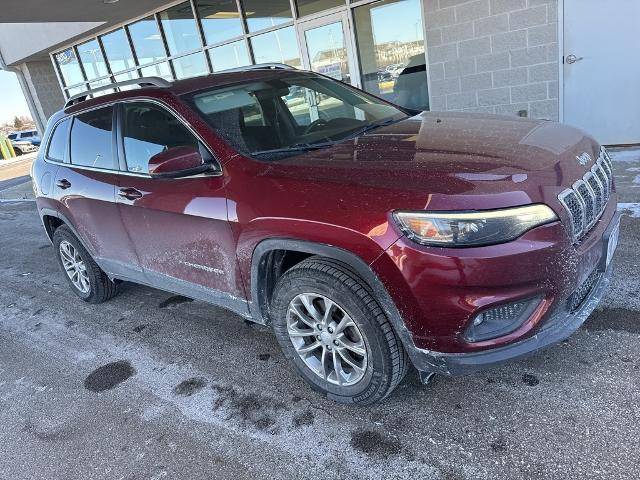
(148, 130)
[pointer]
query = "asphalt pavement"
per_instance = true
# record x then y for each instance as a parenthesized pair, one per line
(151, 385)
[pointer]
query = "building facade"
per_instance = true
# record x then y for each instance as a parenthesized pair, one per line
(489, 56)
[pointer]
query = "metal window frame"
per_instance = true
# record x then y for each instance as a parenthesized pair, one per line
(349, 6)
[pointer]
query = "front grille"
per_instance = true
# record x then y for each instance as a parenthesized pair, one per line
(587, 199)
(583, 291)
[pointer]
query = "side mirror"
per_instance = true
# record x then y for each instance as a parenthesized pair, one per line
(177, 162)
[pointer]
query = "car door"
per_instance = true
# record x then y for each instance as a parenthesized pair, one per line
(179, 226)
(85, 189)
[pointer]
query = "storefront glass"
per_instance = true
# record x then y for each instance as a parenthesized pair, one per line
(92, 60)
(117, 49)
(231, 55)
(390, 41)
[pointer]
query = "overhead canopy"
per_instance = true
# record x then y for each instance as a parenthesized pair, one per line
(29, 29)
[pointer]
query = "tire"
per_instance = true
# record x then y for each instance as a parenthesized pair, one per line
(17, 151)
(99, 287)
(384, 363)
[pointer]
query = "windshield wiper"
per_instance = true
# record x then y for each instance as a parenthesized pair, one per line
(299, 147)
(371, 126)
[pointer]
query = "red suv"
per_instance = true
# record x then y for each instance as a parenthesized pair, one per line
(369, 236)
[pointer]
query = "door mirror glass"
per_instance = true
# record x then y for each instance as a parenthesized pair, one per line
(177, 162)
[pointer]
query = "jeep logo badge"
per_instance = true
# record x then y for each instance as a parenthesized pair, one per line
(583, 159)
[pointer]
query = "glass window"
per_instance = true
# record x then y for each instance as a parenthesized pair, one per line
(279, 46)
(58, 144)
(75, 90)
(231, 55)
(290, 113)
(123, 77)
(149, 130)
(261, 14)
(391, 51)
(26, 134)
(327, 51)
(91, 139)
(147, 41)
(220, 20)
(307, 7)
(161, 70)
(13, 136)
(180, 29)
(92, 60)
(101, 83)
(69, 67)
(190, 66)
(118, 51)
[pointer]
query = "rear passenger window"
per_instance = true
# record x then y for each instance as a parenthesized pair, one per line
(13, 136)
(91, 139)
(58, 144)
(148, 130)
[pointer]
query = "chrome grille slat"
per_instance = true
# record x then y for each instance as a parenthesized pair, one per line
(587, 199)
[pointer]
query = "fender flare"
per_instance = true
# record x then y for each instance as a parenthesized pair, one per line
(259, 281)
(54, 213)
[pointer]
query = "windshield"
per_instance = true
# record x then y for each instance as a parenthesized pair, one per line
(291, 113)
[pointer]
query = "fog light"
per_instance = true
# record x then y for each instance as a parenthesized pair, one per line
(501, 320)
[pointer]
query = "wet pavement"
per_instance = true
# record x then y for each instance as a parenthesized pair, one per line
(153, 385)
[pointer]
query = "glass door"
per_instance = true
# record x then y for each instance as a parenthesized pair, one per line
(326, 47)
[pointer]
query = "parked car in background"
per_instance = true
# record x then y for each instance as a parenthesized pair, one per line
(22, 146)
(31, 136)
(370, 237)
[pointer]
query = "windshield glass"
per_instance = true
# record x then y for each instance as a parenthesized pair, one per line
(291, 113)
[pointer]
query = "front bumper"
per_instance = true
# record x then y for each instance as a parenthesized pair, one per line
(558, 326)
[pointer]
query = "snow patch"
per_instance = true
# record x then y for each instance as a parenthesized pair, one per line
(630, 209)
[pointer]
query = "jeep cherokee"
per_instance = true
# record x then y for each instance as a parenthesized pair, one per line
(370, 237)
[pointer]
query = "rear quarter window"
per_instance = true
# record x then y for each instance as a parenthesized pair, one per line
(58, 143)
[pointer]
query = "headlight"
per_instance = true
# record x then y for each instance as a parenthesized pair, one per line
(470, 229)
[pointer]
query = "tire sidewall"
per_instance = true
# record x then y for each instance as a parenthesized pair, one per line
(63, 234)
(378, 365)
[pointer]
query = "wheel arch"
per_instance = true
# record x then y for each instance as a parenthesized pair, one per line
(264, 277)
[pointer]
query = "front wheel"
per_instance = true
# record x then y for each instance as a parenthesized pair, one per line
(335, 333)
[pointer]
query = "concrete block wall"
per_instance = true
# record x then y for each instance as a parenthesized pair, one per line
(494, 56)
(43, 84)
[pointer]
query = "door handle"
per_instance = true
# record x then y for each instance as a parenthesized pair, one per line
(571, 59)
(63, 184)
(130, 193)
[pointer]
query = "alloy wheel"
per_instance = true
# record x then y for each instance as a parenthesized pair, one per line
(327, 339)
(74, 267)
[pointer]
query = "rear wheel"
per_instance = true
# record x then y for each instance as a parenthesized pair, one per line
(86, 278)
(335, 333)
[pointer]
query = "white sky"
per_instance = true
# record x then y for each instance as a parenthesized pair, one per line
(12, 100)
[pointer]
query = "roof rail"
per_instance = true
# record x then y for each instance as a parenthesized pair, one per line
(260, 66)
(141, 82)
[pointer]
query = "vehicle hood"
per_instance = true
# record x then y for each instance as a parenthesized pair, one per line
(450, 156)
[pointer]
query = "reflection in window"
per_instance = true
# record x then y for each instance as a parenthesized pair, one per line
(279, 46)
(92, 60)
(231, 55)
(161, 70)
(391, 51)
(69, 67)
(180, 29)
(117, 49)
(220, 20)
(307, 7)
(149, 130)
(147, 41)
(91, 139)
(261, 14)
(327, 51)
(101, 83)
(190, 66)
